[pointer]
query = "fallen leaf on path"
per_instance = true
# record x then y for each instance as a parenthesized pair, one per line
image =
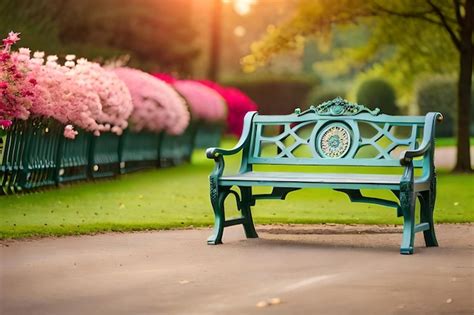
(262, 304)
(449, 300)
(275, 301)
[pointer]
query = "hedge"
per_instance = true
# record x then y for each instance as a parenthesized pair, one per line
(276, 94)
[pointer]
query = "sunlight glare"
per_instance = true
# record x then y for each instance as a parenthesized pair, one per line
(243, 7)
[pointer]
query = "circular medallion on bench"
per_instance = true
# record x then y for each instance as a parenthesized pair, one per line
(334, 141)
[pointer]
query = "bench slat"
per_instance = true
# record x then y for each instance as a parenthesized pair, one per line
(315, 177)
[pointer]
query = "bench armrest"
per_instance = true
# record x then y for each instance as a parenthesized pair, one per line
(431, 118)
(213, 153)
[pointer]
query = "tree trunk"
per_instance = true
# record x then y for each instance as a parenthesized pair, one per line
(214, 55)
(463, 161)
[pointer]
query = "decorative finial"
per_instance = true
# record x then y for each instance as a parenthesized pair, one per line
(339, 107)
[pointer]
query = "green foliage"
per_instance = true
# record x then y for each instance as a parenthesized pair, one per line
(438, 94)
(322, 94)
(35, 20)
(275, 94)
(378, 93)
(156, 35)
(398, 47)
(150, 200)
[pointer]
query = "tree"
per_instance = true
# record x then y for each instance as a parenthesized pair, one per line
(156, 35)
(424, 35)
(215, 42)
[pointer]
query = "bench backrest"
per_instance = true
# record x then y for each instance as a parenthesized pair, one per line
(336, 132)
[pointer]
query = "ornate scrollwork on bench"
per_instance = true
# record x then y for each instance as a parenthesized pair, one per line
(338, 107)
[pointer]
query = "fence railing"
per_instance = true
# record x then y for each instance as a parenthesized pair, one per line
(34, 153)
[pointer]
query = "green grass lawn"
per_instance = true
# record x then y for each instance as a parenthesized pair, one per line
(178, 198)
(450, 142)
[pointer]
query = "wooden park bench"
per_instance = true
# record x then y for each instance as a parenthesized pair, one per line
(336, 133)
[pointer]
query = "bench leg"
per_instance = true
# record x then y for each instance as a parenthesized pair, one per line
(427, 200)
(218, 195)
(407, 204)
(246, 203)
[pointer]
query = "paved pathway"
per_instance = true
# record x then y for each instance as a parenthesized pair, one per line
(445, 157)
(318, 269)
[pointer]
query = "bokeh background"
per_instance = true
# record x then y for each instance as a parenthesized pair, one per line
(402, 66)
(179, 36)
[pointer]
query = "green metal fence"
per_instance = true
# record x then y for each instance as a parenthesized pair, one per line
(104, 155)
(139, 150)
(209, 135)
(176, 150)
(73, 157)
(35, 154)
(40, 154)
(14, 143)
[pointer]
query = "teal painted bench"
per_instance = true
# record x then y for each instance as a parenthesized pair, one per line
(335, 133)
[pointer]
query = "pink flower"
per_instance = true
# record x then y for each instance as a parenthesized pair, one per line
(11, 39)
(4, 56)
(61, 96)
(5, 123)
(115, 98)
(16, 95)
(238, 105)
(205, 103)
(157, 106)
(165, 77)
(69, 132)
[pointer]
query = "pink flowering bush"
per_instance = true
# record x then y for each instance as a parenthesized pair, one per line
(114, 95)
(205, 103)
(83, 94)
(60, 95)
(165, 77)
(16, 85)
(157, 106)
(238, 105)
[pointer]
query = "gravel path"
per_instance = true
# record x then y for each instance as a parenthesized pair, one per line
(317, 269)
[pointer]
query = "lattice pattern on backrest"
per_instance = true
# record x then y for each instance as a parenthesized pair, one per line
(312, 138)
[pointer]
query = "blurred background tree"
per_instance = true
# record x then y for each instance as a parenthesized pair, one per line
(407, 38)
(158, 35)
(313, 50)
(380, 92)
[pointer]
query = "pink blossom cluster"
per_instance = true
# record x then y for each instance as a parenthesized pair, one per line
(238, 104)
(69, 132)
(168, 78)
(205, 103)
(115, 98)
(59, 95)
(156, 105)
(16, 85)
(83, 93)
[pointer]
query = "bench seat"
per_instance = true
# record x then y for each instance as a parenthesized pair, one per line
(297, 179)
